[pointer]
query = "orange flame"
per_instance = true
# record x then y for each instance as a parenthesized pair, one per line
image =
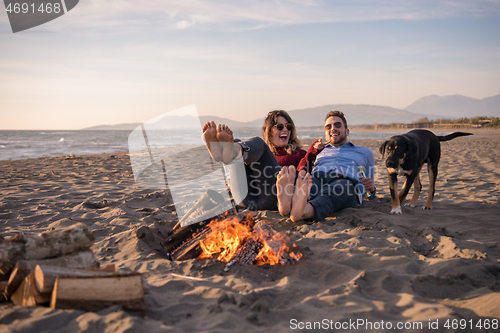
(228, 235)
(225, 238)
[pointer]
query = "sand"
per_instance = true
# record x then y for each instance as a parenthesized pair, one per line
(360, 267)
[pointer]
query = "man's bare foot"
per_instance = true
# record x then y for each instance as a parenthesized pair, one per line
(284, 185)
(299, 199)
(210, 137)
(229, 149)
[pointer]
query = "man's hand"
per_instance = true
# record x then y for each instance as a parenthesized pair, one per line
(319, 145)
(368, 184)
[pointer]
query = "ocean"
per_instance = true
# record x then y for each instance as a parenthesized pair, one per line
(20, 144)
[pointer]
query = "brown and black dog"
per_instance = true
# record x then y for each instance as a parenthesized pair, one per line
(406, 155)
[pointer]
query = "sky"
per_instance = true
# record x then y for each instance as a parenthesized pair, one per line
(125, 61)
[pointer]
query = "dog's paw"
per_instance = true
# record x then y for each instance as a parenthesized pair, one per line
(425, 207)
(409, 205)
(396, 211)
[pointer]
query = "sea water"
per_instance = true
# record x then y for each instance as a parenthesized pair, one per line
(20, 144)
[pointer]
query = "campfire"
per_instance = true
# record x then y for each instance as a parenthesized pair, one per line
(232, 239)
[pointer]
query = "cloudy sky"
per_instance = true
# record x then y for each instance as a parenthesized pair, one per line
(122, 61)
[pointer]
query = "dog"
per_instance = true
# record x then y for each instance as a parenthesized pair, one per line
(406, 155)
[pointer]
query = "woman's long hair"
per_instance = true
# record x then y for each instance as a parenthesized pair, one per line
(271, 121)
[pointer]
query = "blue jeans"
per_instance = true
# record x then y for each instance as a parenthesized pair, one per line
(261, 169)
(332, 192)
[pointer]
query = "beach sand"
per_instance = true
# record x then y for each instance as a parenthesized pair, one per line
(425, 267)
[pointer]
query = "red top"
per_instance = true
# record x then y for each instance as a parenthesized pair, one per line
(285, 159)
(307, 162)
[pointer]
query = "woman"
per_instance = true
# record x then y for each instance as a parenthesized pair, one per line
(263, 158)
(280, 135)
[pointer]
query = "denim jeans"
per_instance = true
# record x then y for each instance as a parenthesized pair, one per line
(261, 169)
(332, 192)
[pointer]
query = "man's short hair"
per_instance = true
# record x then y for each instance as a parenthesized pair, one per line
(339, 114)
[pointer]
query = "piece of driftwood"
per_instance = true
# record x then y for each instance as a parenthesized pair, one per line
(106, 269)
(24, 267)
(45, 245)
(96, 293)
(45, 276)
(27, 293)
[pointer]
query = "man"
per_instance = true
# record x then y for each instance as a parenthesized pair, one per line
(336, 181)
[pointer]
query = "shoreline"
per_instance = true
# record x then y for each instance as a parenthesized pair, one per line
(78, 148)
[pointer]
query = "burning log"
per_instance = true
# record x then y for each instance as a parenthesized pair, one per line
(246, 254)
(231, 239)
(191, 248)
(184, 243)
(45, 245)
(238, 241)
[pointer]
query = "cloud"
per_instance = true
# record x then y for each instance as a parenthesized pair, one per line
(255, 14)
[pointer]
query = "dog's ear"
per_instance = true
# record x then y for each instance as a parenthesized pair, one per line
(382, 148)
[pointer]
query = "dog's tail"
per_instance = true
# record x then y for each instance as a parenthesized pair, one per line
(452, 136)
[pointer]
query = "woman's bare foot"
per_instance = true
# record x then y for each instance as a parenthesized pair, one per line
(284, 185)
(229, 149)
(210, 137)
(299, 199)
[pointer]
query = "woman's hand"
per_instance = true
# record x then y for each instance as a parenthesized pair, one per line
(319, 145)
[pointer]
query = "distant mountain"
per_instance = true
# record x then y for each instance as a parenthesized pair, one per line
(355, 114)
(174, 122)
(456, 106)
(228, 122)
(432, 107)
(117, 127)
(311, 117)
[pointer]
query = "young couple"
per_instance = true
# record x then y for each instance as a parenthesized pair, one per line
(304, 185)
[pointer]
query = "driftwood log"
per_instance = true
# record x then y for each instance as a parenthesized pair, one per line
(45, 276)
(97, 293)
(27, 293)
(24, 268)
(42, 246)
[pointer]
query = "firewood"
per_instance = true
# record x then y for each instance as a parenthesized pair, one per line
(24, 267)
(19, 273)
(27, 293)
(190, 249)
(3, 286)
(45, 276)
(43, 246)
(245, 254)
(96, 293)
(182, 235)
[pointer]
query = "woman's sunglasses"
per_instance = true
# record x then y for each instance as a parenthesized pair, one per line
(280, 127)
(336, 124)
